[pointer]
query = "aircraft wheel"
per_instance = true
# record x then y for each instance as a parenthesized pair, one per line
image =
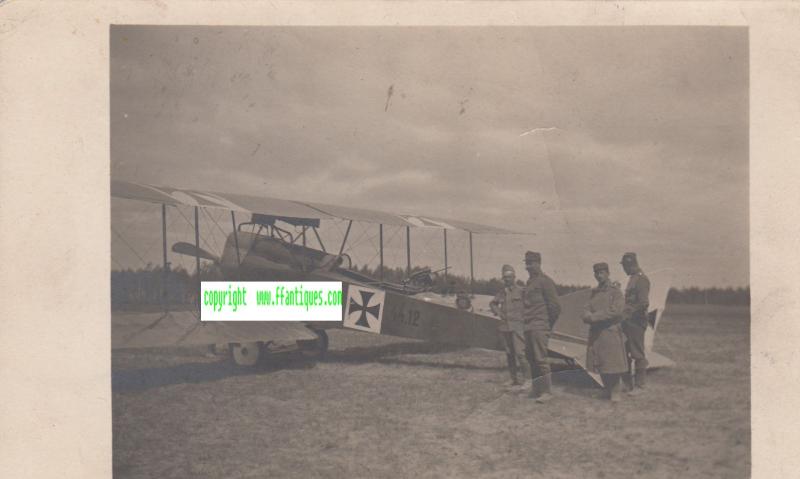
(316, 348)
(247, 354)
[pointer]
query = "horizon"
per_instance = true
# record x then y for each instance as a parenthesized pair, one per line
(190, 273)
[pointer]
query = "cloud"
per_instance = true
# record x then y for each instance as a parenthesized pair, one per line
(596, 137)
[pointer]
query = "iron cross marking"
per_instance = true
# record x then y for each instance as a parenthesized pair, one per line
(373, 310)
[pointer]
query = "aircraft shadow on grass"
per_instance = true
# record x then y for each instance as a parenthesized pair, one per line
(130, 380)
(141, 379)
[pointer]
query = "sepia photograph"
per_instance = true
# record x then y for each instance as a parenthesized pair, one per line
(541, 237)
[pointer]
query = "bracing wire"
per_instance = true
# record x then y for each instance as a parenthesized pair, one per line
(133, 250)
(202, 238)
(154, 243)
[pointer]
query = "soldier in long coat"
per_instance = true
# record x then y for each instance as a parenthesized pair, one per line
(507, 304)
(605, 352)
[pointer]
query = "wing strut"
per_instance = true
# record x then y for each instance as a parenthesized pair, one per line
(445, 254)
(318, 238)
(380, 231)
(236, 240)
(166, 263)
(408, 250)
(197, 250)
(471, 269)
(346, 234)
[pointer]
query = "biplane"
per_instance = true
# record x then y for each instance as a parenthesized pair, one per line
(273, 243)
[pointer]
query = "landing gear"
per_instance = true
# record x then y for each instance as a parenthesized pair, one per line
(247, 354)
(257, 353)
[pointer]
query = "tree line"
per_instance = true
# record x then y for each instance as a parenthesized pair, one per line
(145, 286)
(724, 296)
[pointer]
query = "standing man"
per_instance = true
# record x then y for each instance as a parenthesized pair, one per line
(507, 304)
(605, 353)
(540, 313)
(637, 303)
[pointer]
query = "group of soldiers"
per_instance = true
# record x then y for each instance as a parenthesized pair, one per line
(617, 325)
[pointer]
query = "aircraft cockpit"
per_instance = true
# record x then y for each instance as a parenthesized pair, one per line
(261, 245)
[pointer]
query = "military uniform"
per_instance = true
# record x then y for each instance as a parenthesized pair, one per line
(605, 352)
(634, 314)
(508, 305)
(541, 309)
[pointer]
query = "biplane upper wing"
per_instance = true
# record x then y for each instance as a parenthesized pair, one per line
(287, 208)
(207, 199)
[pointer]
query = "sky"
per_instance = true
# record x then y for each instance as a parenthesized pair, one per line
(596, 140)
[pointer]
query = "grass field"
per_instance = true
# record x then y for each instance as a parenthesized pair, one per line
(383, 407)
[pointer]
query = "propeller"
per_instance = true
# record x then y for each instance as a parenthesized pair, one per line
(192, 250)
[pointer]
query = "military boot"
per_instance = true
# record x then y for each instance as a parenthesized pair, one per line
(545, 383)
(524, 369)
(638, 381)
(613, 388)
(627, 381)
(512, 369)
(641, 375)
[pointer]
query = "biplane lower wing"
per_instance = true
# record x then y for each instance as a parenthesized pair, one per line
(573, 352)
(184, 328)
(576, 353)
(656, 361)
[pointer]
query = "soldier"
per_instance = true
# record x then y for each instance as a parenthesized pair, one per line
(605, 353)
(507, 304)
(635, 321)
(540, 312)
(464, 302)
